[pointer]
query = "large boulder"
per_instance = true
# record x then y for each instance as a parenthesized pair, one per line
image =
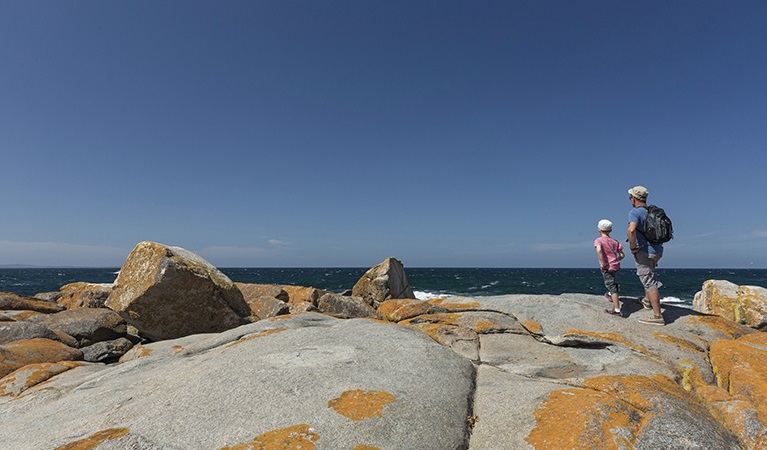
(746, 305)
(255, 291)
(25, 330)
(84, 295)
(303, 294)
(86, 325)
(344, 307)
(11, 301)
(105, 351)
(308, 379)
(264, 300)
(267, 307)
(382, 282)
(169, 292)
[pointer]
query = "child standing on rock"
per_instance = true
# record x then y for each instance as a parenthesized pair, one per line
(609, 254)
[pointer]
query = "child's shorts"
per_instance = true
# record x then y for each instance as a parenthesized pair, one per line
(611, 280)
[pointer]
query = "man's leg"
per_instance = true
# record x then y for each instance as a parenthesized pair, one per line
(646, 272)
(654, 297)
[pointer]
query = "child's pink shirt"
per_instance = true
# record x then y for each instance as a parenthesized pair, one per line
(610, 249)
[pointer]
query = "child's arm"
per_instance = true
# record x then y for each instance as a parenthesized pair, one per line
(601, 257)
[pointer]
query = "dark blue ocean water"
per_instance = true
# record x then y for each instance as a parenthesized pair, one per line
(681, 284)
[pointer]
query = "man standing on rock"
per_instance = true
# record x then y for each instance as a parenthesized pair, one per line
(645, 254)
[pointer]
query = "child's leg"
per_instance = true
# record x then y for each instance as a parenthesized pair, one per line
(611, 283)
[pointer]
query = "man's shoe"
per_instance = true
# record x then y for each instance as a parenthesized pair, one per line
(646, 304)
(653, 320)
(613, 312)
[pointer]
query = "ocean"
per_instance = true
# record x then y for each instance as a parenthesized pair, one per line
(680, 285)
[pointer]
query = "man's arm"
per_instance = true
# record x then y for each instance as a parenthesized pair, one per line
(632, 235)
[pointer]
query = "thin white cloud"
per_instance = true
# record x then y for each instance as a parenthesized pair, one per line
(759, 233)
(277, 242)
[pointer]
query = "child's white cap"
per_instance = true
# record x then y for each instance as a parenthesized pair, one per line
(605, 225)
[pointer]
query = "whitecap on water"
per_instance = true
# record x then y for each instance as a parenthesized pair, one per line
(671, 300)
(424, 295)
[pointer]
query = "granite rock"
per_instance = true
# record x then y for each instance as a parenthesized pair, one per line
(742, 304)
(345, 307)
(168, 292)
(11, 301)
(382, 282)
(86, 325)
(308, 379)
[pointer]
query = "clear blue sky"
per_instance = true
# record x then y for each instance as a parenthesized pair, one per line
(338, 133)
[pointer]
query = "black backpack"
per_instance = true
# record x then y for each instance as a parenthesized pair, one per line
(657, 227)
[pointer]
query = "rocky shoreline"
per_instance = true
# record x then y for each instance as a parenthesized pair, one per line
(175, 355)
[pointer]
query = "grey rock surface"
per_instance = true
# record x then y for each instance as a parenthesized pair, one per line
(506, 372)
(350, 382)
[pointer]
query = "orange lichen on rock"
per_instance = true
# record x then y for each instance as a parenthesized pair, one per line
(726, 326)
(360, 404)
(486, 327)
(18, 354)
(584, 419)
(679, 342)
(640, 391)
(434, 330)
(741, 367)
(533, 326)
(739, 416)
(95, 439)
(691, 377)
(402, 309)
(142, 351)
(439, 318)
(366, 447)
(612, 337)
(255, 335)
(30, 375)
(610, 412)
(455, 305)
(297, 437)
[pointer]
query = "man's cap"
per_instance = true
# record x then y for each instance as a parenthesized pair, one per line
(605, 225)
(639, 192)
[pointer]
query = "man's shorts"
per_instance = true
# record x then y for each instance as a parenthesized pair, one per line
(611, 280)
(646, 263)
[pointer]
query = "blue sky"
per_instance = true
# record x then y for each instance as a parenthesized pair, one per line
(338, 133)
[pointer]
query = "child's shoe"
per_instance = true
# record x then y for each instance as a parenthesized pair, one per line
(613, 312)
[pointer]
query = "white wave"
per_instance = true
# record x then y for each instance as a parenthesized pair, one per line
(492, 283)
(672, 300)
(424, 295)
